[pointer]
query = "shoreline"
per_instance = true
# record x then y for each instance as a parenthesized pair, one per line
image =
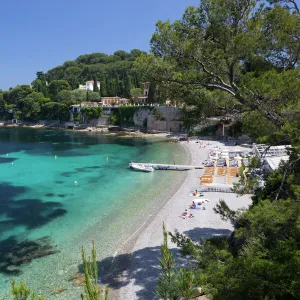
(136, 265)
(119, 234)
(121, 264)
(173, 136)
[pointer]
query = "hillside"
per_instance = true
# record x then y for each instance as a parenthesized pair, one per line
(52, 93)
(115, 72)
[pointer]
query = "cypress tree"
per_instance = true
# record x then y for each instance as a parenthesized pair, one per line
(95, 89)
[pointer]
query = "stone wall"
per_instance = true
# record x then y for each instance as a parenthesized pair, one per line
(140, 115)
(167, 121)
(162, 125)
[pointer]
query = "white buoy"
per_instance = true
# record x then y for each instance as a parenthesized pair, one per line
(12, 163)
(75, 182)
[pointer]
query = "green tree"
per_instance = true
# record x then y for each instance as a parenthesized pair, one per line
(40, 84)
(65, 96)
(1, 99)
(55, 111)
(30, 106)
(212, 45)
(57, 86)
(22, 292)
(93, 96)
(78, 96)
(122, 54)
(92, 112)
(72, 75)
(135, 93)
(174, 283)
(92, 290)
(19, 93)
(95, 87)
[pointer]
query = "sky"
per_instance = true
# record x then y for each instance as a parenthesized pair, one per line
(39, 35)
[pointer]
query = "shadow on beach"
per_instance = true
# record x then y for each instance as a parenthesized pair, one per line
(197, 233)
(138, 271)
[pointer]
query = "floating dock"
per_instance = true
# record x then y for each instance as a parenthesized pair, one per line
(167, 167)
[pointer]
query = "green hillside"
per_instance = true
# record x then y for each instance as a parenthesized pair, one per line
(115, 72)
(51, 93)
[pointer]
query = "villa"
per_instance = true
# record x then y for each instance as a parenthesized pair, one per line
(112, 101)
(89, 86)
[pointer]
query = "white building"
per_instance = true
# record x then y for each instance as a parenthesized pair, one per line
(262, 150)
(273, 163)
(89, 86)
(271, 156)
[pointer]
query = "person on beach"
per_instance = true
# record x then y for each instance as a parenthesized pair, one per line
(189, 216)
(184, 213)
(193, 205)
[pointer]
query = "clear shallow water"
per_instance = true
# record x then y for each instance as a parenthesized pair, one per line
(43, 211)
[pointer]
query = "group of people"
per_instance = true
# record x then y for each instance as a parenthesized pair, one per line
(194, 205)
(186, 215)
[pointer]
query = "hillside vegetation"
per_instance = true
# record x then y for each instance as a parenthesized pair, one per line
(53, 92)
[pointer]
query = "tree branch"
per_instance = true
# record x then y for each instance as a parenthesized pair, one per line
(206, 85)
(295, 5)
(210, 73)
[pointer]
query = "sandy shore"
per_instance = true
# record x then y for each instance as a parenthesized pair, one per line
(137, 265)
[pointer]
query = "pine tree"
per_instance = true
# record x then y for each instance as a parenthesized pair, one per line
(92, 290)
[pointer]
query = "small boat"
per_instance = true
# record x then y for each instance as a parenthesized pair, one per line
(141, 167)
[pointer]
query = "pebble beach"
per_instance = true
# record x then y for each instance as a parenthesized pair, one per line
(137, 264)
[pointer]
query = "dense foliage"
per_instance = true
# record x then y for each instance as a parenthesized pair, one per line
(51, 93)
(230, 57)
(115, 72)
(239, 58)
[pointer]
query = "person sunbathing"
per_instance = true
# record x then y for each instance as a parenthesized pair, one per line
(184, 213)
(195, 193)
(189, 216)
(193, 205)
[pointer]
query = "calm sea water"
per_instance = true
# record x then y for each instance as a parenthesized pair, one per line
(61, 190)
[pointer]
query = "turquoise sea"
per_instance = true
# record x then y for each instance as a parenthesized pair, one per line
(59, 190)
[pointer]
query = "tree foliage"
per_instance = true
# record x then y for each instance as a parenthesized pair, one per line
(174, 282)
(92, 289)
(115, 72)
(247, 51)
(92, 112)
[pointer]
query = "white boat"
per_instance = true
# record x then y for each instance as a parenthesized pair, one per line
(141, 167)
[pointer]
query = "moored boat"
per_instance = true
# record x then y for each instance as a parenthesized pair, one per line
(141, 167)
